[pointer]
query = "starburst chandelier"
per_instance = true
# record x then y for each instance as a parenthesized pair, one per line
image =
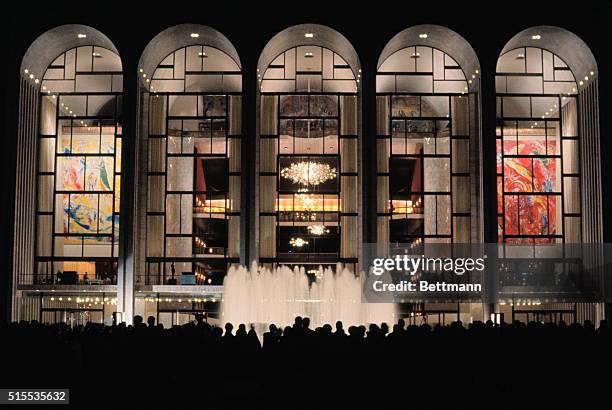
(318, 230)
(308, 173)
(298, 242)
(308, 201)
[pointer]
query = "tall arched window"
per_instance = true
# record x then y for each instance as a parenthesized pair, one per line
(79, 168)
(538, 140)
(427, 139)
(69, 176)
(308, 181)
(548, 175)
(193, 155)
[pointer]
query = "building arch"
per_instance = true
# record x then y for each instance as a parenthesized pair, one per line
(428, 139)
(548, 164)
(189, 197)
(68, 181)
(308, 121)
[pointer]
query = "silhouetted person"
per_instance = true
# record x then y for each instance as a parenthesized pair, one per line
(138, 324)
(270, 338)
(241, 332)
(151, 321)
(339, 329)
(228, 330)
(254, 344)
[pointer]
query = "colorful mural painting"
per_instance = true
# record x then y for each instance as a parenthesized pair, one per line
(98, 176)
(70, 173)
(525, 171)
(88, 213)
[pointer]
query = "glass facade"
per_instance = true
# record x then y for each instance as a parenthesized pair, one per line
(537, 145)
(308, 163)
(79, 169)
(194, 169)
(423, 149)
(279, 176)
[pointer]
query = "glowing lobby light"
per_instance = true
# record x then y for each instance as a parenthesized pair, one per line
(81, 35)
(536, 37)
(423, 35)
(298, 242)
(308, 173)
(309, 35)
(194, 35)
(318, 230)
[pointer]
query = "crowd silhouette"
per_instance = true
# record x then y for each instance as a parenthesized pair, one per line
(478, 366)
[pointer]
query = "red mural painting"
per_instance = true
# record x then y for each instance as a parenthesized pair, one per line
(530, 213)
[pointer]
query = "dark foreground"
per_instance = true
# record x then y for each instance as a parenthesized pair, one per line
(516, 366)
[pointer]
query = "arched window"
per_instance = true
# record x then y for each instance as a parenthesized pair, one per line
(308, 182)
(69, 175)
(78, 175)
(427, 139)
(79, 168)
(192, 84)
(540, 170)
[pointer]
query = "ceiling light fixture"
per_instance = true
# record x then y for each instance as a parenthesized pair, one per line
(536, 37)
(194, 35)
(308, 55)
(298, 242)
(308, 173)
(309, 35)
(317, 230)
(81, 35)
(423, 35)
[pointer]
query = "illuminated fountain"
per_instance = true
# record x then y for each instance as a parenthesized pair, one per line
(261, 296)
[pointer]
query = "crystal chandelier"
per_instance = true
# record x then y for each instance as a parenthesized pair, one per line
(317, 230)
(308, 201)
(297, 242)
(308, 172)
